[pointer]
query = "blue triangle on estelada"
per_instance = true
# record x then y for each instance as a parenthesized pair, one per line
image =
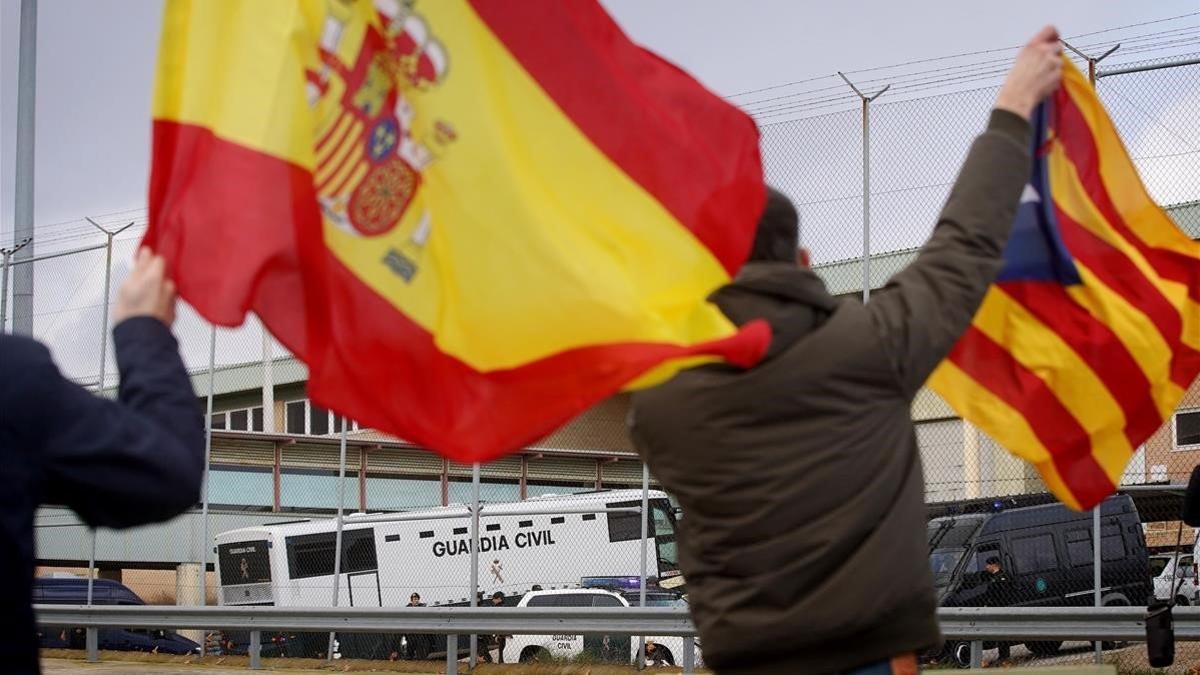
(1036, 251)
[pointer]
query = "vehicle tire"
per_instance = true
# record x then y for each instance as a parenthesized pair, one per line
(1045, 647)
(669, 656)
(959, 654)
(534, 655)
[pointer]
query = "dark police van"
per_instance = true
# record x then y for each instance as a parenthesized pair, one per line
(72, 590)
(1046, 553)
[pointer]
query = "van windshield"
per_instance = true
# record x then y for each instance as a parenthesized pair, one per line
(664, 537)
(943, 562)
(948, 541)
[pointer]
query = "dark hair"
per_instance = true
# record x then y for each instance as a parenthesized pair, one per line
(993, 561)
(497, 595)
(778, 234)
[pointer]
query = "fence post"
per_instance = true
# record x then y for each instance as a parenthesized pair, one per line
(1099, 646)
(337, 545)
(1092, 60)
(451, 655)
(866, 172)
(976, 654)
(255, 650)
(689, 654)
(23, 170)
(474, 555)
(102, 378)
(92, 642)
(641, 662)
(204, 536)
(268, 385)
(6, 254)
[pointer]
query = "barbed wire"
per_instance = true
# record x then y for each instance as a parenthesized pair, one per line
(1154, 41)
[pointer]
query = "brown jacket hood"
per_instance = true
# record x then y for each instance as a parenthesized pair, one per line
(792, 299)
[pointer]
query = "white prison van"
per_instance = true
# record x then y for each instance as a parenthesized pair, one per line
(548, 542)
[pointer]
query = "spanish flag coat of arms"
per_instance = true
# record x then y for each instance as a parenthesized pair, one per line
(472, 220)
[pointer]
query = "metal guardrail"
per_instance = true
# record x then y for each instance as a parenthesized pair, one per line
(968, 624)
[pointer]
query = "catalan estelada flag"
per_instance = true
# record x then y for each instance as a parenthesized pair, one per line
(472, 220)
(1091, 334)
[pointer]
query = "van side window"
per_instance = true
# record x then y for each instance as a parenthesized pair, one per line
(575, 600)
(1079, 547)
(626, 526)
(1034, 553)
(1112, 546)
(311, 555)
(542, 601)
(980, 556)
(605, 601)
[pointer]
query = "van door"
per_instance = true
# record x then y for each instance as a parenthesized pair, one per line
(971, 587)
(607, 648)
(364, 589)
(1036, 573)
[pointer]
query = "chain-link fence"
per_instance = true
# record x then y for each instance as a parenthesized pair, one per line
(990, 511)
(275, 456)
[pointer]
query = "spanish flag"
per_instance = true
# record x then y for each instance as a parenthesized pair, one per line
(1091, 334)
(472, 220)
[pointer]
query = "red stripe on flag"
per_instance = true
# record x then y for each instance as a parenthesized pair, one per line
(993, 367)
(1100, 349)
(1076, 137)
(223, 216)
(467, 415)
(646, 115)
(261, 222)
(1120, 274)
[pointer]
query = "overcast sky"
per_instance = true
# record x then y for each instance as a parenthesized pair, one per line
(96, 62)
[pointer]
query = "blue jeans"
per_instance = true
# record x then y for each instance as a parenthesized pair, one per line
(880, 668)
(901, 665)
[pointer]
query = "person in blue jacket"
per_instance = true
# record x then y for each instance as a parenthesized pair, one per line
(136, 460)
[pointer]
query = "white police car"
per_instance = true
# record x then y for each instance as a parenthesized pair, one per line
(616, 648)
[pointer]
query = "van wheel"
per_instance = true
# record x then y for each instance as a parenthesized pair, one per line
(534, 655)
(1044, 648)
(959, 654)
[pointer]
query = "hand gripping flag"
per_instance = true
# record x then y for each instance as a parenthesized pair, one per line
(1091, 334)
(472, 220)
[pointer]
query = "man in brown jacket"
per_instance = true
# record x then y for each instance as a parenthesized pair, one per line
(804, 543)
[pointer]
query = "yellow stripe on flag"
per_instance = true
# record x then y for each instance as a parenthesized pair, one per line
(1075, 385)
(215, 78)
(1072, 198)
(564, 222)
(1000, 421)
(1135, 331)
(1120, 176)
